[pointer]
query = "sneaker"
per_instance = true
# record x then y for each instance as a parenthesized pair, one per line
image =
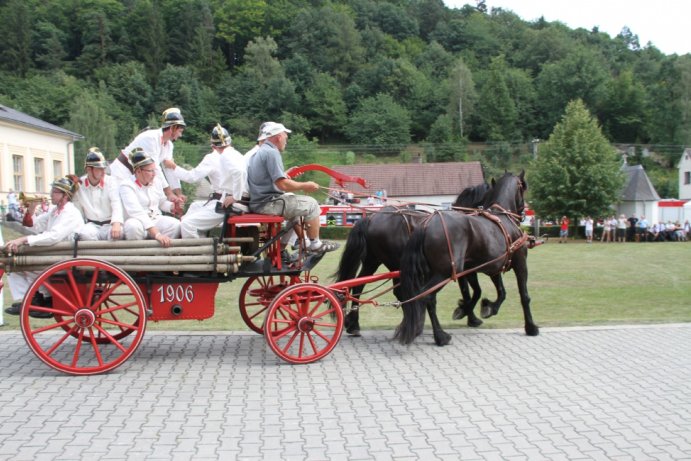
(325, 247)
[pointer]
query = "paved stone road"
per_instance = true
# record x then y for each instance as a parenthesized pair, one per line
(591, 393)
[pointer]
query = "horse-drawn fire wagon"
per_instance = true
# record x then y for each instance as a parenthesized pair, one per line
(105, 292)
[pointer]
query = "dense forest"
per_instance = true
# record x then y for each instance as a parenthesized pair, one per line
(368, 76)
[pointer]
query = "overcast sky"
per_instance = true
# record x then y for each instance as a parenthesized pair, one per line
(665, 23)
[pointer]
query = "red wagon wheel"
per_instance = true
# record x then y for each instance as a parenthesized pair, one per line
(98, 317)
(304, 323)
(256, 295)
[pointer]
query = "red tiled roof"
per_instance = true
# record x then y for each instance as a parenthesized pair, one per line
(413, 179)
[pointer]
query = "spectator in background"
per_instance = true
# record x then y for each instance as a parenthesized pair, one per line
(631, 228)
(606, 230)
(620, 227)
(642, 230)
(588, 223)
(13, 207)
(564, 229)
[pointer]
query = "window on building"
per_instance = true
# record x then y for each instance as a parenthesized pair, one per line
(40, 174)
(18, 172)
(687, 177)
(57, 169)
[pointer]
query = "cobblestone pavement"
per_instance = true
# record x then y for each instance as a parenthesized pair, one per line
(589, 393)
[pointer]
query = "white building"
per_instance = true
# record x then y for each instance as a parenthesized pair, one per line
(638, 197)
(32, 153)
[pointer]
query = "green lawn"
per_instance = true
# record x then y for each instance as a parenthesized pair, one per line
(572, 284)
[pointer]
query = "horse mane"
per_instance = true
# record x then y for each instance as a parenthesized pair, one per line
(472, 197)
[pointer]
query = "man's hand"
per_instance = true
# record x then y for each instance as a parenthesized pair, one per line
(13, 245)
(310, 186)
(169, 164)
(229, 200)
(164, 240)
(116, 231)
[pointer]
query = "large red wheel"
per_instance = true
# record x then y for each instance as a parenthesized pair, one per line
(304, 323)
(256, 295)
(98, 317)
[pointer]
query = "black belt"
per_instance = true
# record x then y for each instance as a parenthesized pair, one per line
(125, 162)
(100, 223)
(217, 196)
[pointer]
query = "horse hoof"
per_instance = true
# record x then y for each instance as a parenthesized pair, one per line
(532, 330)
(458, 313)
(474, 323)
(442, 340)
(355, 333)
(486, 311)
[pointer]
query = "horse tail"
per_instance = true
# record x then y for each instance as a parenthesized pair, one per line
(354, 252)
(414, 274)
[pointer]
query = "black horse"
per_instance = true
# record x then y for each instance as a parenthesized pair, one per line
(453, 244)
(380, 238)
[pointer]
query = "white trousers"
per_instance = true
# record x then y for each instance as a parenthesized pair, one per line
(20, 283)
(200, 217)
(167, 225)
(92, 231)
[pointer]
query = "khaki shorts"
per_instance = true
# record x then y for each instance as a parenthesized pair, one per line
(291, 206)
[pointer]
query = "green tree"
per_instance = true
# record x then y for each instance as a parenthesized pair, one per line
(329, 38)
(148, 35)
(580, 75)
(45, 96)
(577, 172)
(128, 85)
(89, 117)
(461, 97)
(380, 121)
(259, 91)
(238, 22)
(624, 110)
(325, 107)
(97, 42)
(49, 46)
(496, 112)
(15, 39)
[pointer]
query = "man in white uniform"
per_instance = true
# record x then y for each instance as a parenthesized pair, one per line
(225, 168)
(158, 144)
(144, 201)
(98, 199)
(57, 225)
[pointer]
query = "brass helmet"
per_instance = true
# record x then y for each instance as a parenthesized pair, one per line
(172, 117)
(95, 159)
(68, 184)
(220, 136)
(139, 158)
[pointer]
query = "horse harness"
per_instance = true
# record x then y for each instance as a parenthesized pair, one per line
(511, 246)
(407, 215)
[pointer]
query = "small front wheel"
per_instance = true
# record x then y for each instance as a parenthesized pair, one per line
(256, 295)
(303, 323)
